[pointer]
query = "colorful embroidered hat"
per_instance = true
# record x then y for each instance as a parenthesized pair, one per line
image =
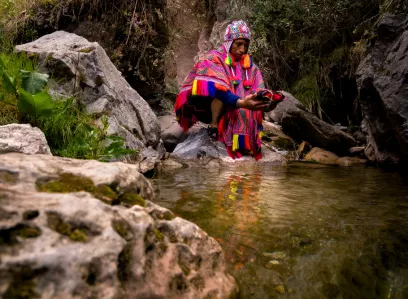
(236, 30)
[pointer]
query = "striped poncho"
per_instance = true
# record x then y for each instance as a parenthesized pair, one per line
(239, 129)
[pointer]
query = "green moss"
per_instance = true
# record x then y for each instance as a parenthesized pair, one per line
(78, 236)
(29, 232)
(8, 177)
(124, 261)
(106, 194)
(122, 228)
(132, 199)
(86, 50)
(159, 235)
(186, 270)
(168, 215)
(56, 223)
(22, 285)
(9, 236)
(66, 183)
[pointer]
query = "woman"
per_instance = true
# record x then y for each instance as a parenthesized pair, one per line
(221, 91)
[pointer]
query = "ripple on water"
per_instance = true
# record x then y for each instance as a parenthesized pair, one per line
(340, 232)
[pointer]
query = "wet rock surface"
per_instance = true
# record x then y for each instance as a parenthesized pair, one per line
(80, 229)
(22, 138)
(322, 156)
(199, 149)
(83, 69)
(383, 87)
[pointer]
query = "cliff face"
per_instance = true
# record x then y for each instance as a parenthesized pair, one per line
(189, 24)
(383, 85)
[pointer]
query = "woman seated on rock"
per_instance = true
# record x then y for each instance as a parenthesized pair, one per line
(221, 91)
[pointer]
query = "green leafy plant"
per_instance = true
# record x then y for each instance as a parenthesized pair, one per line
(70, 133)
(32, 100)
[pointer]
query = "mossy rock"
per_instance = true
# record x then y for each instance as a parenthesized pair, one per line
(66, 183)
(76, 234)
(8, 177)
(106, 194)
(22, 285)
(124, 262)
(159, 235)
(9, 236)
(122, 228)
(186, 270)
(132, 199)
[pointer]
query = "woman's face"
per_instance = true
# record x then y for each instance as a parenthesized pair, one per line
(239, 48)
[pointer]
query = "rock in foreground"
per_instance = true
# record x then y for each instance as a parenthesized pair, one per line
(108, 242)
(22, 138)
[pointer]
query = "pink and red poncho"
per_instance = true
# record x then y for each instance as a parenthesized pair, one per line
(240, 129)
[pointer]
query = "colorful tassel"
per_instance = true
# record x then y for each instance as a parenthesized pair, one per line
(220, 87)
(246, 61)
(182, 99)
(203, 88)
(247, 82)
(235, 145)
(228, 60)
(194, 90)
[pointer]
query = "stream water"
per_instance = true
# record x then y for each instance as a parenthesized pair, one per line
(303, 231)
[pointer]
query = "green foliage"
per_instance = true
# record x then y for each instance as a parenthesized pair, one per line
(33, 82)
(296, 43)
(31, 99)
(69, 131)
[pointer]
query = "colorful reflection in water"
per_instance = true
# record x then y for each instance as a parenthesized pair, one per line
(305, 231)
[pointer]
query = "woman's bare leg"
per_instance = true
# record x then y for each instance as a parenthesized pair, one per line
(217, 108)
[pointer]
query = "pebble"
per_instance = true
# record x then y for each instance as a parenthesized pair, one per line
(280, 289)
(271, 264)
(275, 255)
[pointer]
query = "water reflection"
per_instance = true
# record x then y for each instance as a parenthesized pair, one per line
(305, 231)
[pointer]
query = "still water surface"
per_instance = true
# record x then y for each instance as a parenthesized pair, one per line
(304, 231)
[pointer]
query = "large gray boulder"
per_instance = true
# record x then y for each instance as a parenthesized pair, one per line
(290, 103)
(63, 234)
(83, 69)
(22, 138)
(199, 149)
(382, 79)
(302, 125)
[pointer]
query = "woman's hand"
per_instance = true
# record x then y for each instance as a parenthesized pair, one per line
(251, 103)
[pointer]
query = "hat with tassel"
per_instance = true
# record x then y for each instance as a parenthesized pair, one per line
(236, 30)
